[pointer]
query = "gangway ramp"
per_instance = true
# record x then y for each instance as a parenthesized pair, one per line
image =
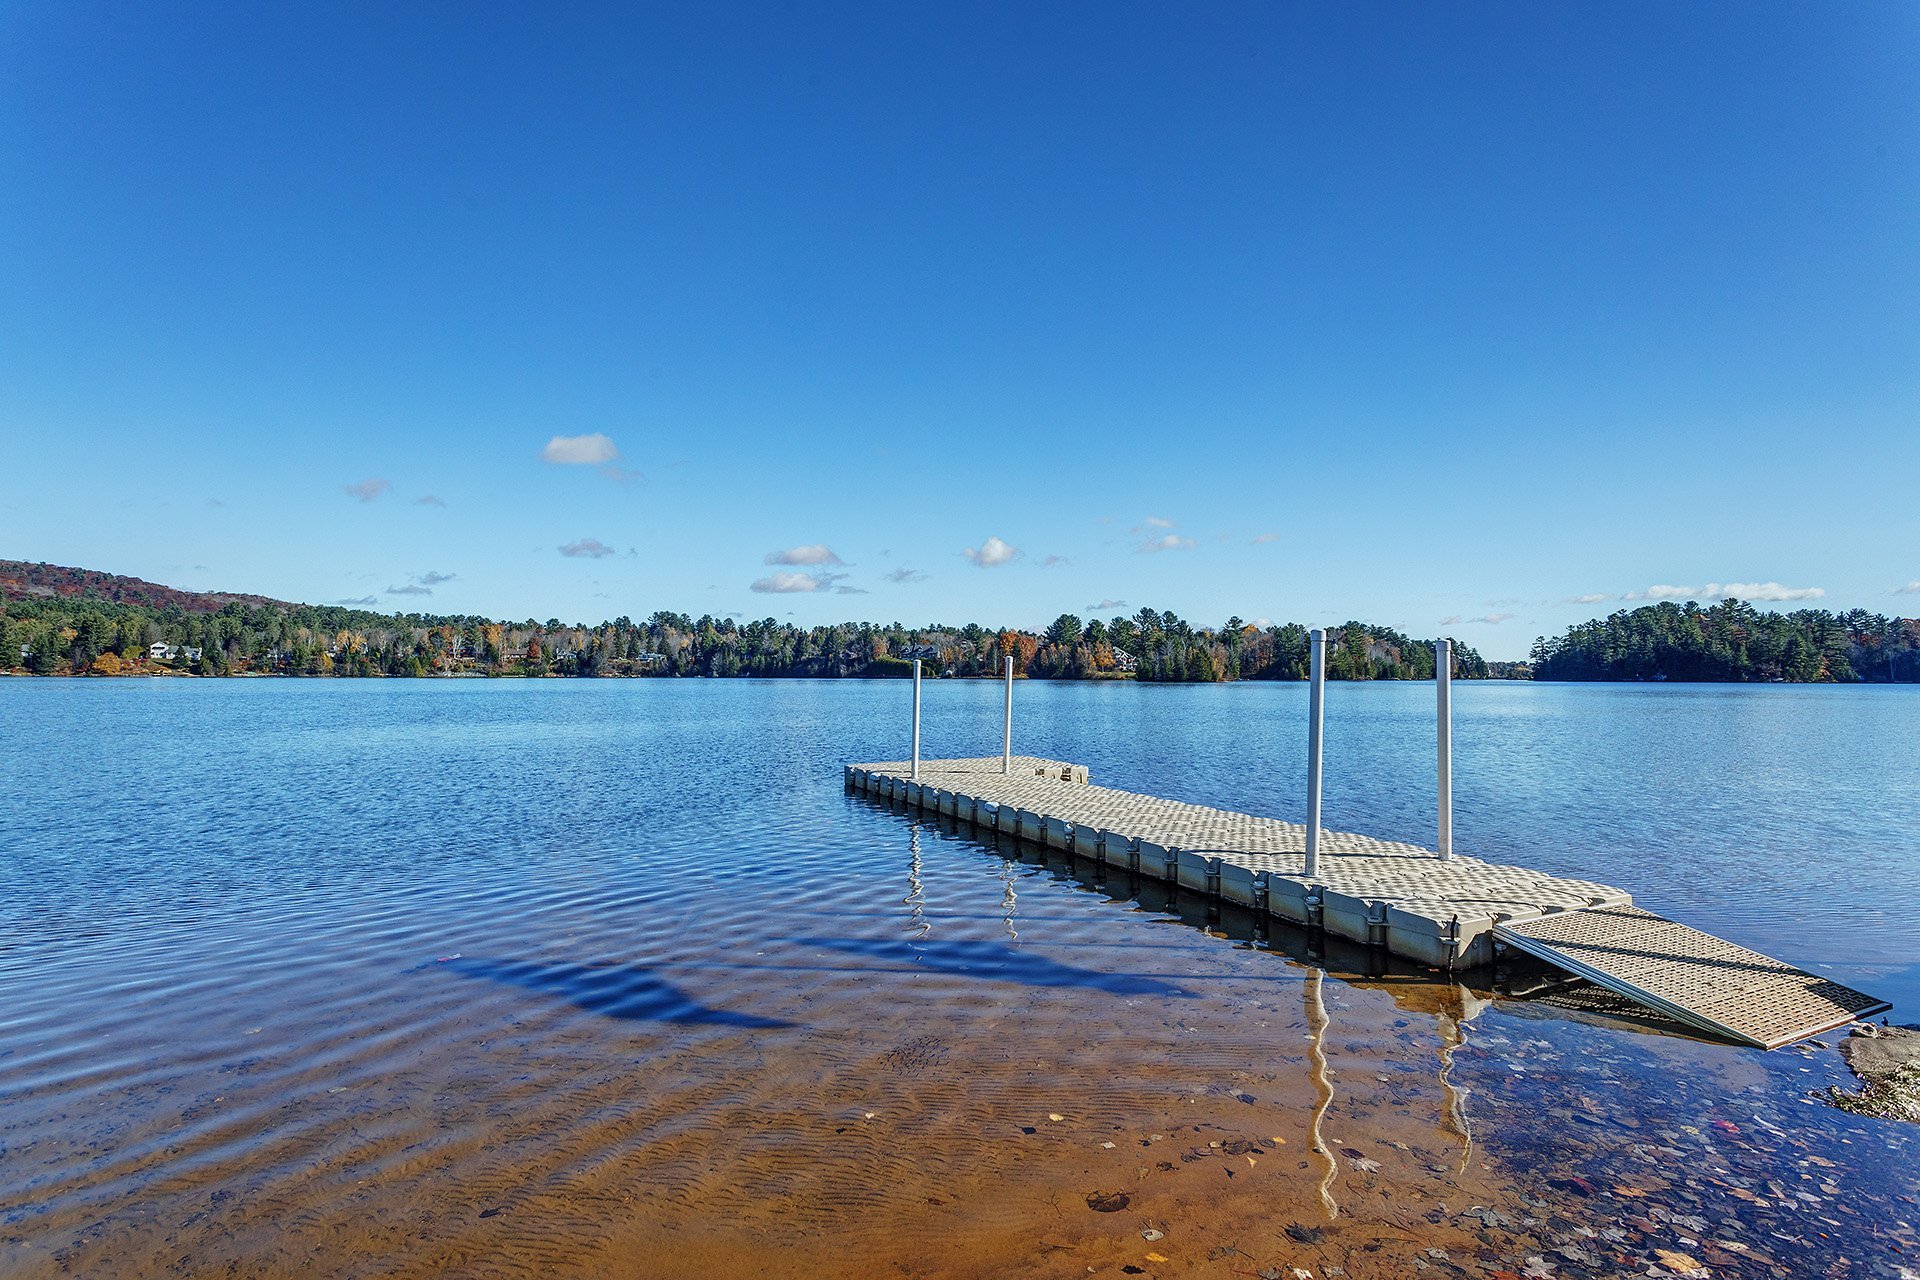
(1695, 978)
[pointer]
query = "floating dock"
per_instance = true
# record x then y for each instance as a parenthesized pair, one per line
(1447, 912)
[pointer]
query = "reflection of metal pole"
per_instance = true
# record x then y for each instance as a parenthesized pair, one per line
(1316, 716)
(1008, 899)
(1453, 1034)
(916, 720)
(916, 899)
(1006, 741)
(1443, 692)
(1322, 1083)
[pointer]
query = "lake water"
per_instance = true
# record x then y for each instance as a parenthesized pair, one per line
(528, 978)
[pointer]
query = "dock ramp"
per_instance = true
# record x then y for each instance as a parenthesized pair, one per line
(1703, 981)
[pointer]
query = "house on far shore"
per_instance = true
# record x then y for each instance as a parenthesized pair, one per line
(1122, 660)
(161, 651)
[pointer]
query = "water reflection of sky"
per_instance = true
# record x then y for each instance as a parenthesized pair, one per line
(630, 942)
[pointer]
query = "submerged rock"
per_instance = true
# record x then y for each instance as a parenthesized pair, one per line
(1887, 1062)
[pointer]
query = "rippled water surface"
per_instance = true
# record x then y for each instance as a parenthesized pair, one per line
(396, 978)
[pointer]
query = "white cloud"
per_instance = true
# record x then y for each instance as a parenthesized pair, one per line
(1912, 588)
(903, 577)
(994, 551)
(363, 602)
(1106, 604)
(581, 451)
(813, 553)
(1757, 591)
(587, 548)
(1592, 597)
(433, 578)
(786, 583)
(1764, 591)
(1171, 542)
(411, 589)
(1264, 538)
(1156, 522)
(1489, 619)
(367, 490)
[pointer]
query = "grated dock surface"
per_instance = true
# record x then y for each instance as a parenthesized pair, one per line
(1706, 982)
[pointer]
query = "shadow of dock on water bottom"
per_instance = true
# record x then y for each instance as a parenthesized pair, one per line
(996, 962)
(630, 992)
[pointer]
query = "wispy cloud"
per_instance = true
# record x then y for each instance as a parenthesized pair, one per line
(904, 577)
(1765, 592)
(1490, 619)
(433, 578)
(992, 552)
(587, 548)
(1912, 588)
(811, 553)
(851, 591)
(1264, 538)
(429, 500)
(1592, 597)
(1152, 522)
(359, 602)
(1054, 561)
(411, 589)
(592, 450)
(1106, 604)
(1171, 542)
(787, 582)
(367, 490)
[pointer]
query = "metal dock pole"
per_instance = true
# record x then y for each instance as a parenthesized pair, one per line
(1316, 716)
(1006, 741)
(915, 776)
(1443, 691)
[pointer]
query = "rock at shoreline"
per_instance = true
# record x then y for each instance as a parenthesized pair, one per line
(1887, 1061)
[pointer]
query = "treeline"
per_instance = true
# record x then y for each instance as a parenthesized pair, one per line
(1733, 641)
(1161, 647)
(62, 635)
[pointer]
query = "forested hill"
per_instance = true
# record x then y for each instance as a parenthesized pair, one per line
(20, 578)
(58, 621)
(1733, 641)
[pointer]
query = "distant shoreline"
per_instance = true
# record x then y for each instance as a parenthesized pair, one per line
(56, 620)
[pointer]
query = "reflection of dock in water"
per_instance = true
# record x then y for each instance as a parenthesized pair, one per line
(1386, 896)
(1450, 1004)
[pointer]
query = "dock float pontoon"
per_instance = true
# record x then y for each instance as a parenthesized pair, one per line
(1446, 911)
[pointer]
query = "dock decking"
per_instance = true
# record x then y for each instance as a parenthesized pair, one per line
(1708, 983)
(1444, 912)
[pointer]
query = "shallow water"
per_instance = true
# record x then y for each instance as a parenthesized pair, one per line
(612, 978)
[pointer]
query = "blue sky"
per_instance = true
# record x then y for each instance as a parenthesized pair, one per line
(1483, 319)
